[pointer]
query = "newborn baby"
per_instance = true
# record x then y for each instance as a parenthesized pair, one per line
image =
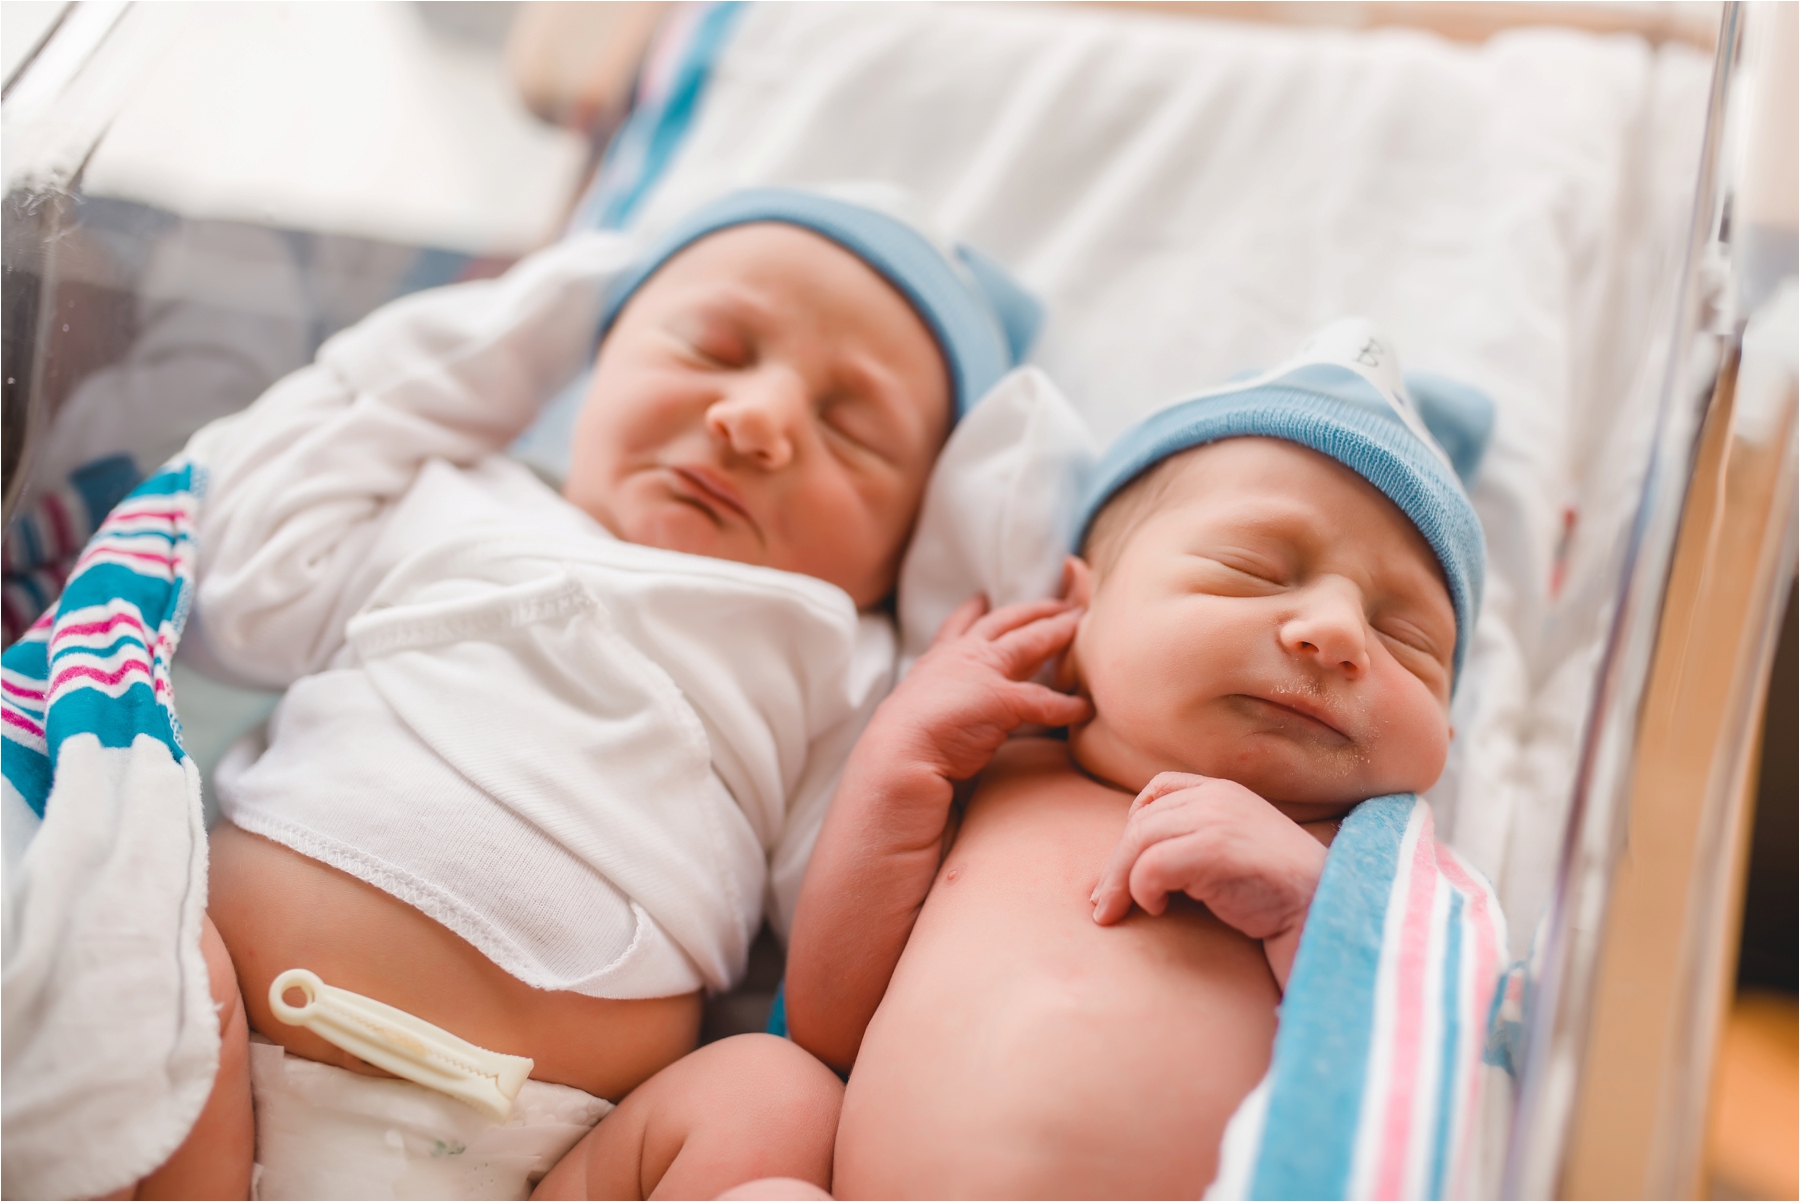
(537, 752)
(1275, 590)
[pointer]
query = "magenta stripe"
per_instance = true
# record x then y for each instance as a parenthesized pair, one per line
(125, 669)
(102, 626)
(99, 549)
(166, 515)
(20, 720)
(21, 690)
(1408, 1022)
(1487, 957)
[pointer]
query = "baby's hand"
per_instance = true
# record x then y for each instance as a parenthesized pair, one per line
(1223, 846)
(972, 688)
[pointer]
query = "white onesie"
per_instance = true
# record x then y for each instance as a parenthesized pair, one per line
(592, 760)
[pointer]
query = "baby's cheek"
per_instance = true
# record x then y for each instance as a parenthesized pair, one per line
(1415, 736)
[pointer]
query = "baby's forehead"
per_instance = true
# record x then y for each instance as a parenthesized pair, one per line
(760, 250)
(1281, 491)
(1240, 474)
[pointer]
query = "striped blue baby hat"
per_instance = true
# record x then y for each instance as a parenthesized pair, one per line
(1418, 438)
(983, 320)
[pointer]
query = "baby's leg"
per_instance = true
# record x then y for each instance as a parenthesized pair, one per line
(214, 1161)
(744, 1108)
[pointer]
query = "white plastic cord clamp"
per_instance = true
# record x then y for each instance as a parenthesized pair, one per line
(408, 1047)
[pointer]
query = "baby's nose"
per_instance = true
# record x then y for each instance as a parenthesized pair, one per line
(757, 418)
(1330, 628)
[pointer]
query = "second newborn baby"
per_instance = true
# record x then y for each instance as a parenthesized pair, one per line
(1274, 595)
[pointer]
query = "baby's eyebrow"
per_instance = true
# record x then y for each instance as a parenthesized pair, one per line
(734, 300)
(1287, 522)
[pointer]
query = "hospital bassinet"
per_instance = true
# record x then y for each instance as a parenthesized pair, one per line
(1594, 222)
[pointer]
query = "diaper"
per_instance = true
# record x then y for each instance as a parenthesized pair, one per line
(326, 1132)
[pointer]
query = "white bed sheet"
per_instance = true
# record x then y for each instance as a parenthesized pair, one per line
(1192, 197)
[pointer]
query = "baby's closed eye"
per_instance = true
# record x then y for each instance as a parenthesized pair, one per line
(713, 339)
(1239, 573)
(853, 418)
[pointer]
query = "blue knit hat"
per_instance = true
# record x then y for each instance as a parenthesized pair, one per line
(1419, 441)
(984, 322)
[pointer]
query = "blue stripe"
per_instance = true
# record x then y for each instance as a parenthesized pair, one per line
(1328, 1013)
(101, 583)
(29, 772)
(777, 1024)
(29, 657)
(650, 137)
(115, 721)
(1446, 1101)
(167, 483)
(103, 652)
(168, 536)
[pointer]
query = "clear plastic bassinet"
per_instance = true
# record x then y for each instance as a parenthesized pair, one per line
(196, 196)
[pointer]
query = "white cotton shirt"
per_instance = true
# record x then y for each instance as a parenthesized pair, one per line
(597, 762)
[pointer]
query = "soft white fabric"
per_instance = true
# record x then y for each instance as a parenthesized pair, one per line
(546, 739)
(110, 1038)
(1189, 198)
(326, 1132)
(1000, 511)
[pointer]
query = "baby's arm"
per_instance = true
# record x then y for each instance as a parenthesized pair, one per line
(301, 484)
(1222, 845)
(884, 836)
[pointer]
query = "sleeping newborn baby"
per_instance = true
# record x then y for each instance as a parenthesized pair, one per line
(539, 752)
(1276, 587)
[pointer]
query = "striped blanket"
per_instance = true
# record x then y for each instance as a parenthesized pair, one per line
(1381, 1066)
(110, 1039)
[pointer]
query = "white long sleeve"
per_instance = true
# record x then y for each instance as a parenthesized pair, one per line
(306, 482)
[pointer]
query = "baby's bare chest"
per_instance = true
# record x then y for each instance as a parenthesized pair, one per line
(1041, 1039)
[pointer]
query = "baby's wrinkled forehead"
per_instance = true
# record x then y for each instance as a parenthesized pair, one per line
(1272, 491)
(980, 319)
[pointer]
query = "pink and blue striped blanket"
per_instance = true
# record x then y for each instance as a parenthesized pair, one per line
(1381, 1076)
(111, 1042)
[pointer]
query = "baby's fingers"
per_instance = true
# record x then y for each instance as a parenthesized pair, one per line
(1148, 836)
(1047, 707)
(1112, 896)
(961, 619)
(1163, 784)
(1170, 866)
(1011, 617)
(1025, 649)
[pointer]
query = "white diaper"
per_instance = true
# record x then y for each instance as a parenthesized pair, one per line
(326, 1132)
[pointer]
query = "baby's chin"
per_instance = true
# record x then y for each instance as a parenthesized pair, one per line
(1303, 779)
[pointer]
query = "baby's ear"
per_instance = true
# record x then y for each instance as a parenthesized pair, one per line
(1077, 581)
(1078, 589)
